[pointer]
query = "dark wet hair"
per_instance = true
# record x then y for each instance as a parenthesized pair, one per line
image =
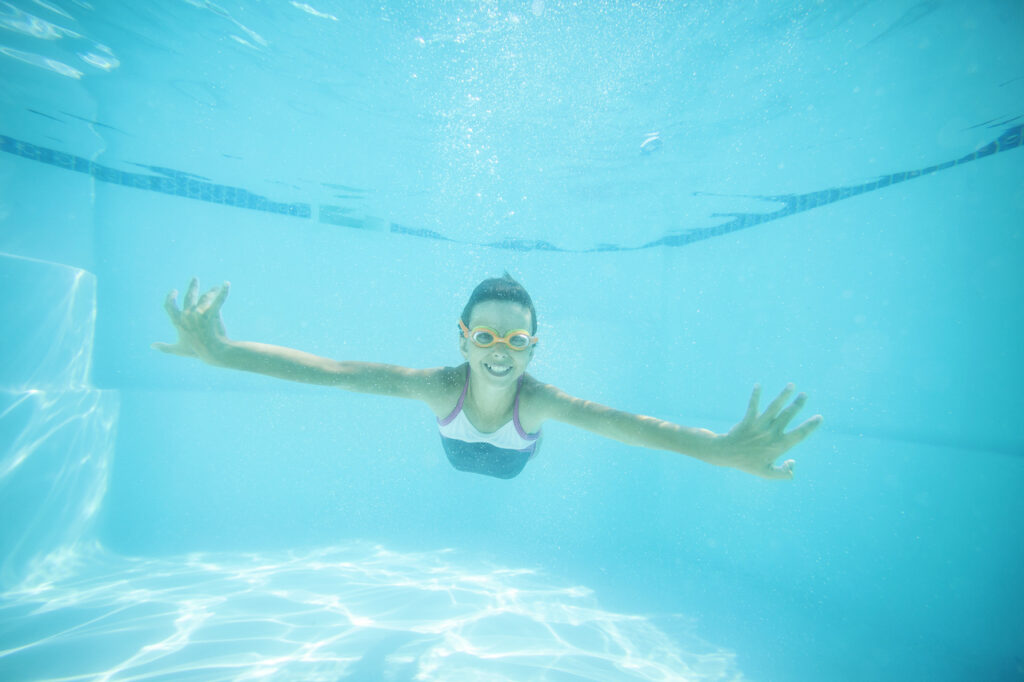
(502, 288)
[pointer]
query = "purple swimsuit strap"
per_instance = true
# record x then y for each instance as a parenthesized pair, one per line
(458, 406)
(515, 412)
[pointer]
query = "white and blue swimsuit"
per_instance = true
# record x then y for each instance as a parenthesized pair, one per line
(501, 454)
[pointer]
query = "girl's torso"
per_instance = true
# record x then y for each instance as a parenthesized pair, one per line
(501, 452)
(455, 380)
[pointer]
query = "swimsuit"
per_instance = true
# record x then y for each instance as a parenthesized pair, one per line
(501, 454)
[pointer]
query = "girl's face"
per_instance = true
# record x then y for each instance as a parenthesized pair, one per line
(498, 363)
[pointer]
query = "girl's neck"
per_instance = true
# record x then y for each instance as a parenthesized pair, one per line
(489, 400)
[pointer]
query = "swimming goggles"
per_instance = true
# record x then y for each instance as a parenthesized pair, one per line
(485, 337)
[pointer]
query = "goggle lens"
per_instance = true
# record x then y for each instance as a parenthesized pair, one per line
(482, 338)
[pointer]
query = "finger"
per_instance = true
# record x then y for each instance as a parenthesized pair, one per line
(213, 299)
(206, 299)
(787, 414)
(782, 472)
(222, 295)
(190, 294)
(171, 303)
(776, 405)
(172, 349)
(755, 399)
(171, 306)
(802, 431)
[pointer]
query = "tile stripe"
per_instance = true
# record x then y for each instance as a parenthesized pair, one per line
(188, 186)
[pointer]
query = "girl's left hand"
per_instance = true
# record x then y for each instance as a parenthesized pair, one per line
(757, 441)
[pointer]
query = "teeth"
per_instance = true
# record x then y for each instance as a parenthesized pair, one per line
(498, 370)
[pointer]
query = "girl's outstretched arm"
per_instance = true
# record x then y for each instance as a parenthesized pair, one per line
(201, 334)
(752, 445)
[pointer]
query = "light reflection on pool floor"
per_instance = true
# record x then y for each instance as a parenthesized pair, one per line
(352, 612)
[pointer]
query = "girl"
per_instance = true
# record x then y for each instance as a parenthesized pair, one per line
(489, 410)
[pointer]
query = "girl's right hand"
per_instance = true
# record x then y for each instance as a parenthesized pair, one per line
(201, 332)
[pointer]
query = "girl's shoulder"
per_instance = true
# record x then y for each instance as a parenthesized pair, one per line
(534, 389)
(536, 402)
(446, 384)
(442, 378)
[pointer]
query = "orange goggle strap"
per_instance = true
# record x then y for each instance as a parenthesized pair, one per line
(498, 338)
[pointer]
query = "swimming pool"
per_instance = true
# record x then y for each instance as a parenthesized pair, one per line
(698, 197)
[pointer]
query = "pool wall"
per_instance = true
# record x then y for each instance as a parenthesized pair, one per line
(902, 512)
(57, 431)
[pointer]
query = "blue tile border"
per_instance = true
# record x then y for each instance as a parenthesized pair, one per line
(174, 182)
(798, 203)
(189, 186)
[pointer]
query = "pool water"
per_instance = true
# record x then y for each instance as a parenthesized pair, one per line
(698, 196)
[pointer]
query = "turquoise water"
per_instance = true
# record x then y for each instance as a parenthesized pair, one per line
(699, 196)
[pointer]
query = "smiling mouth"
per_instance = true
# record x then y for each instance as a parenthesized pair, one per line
(497, 370)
